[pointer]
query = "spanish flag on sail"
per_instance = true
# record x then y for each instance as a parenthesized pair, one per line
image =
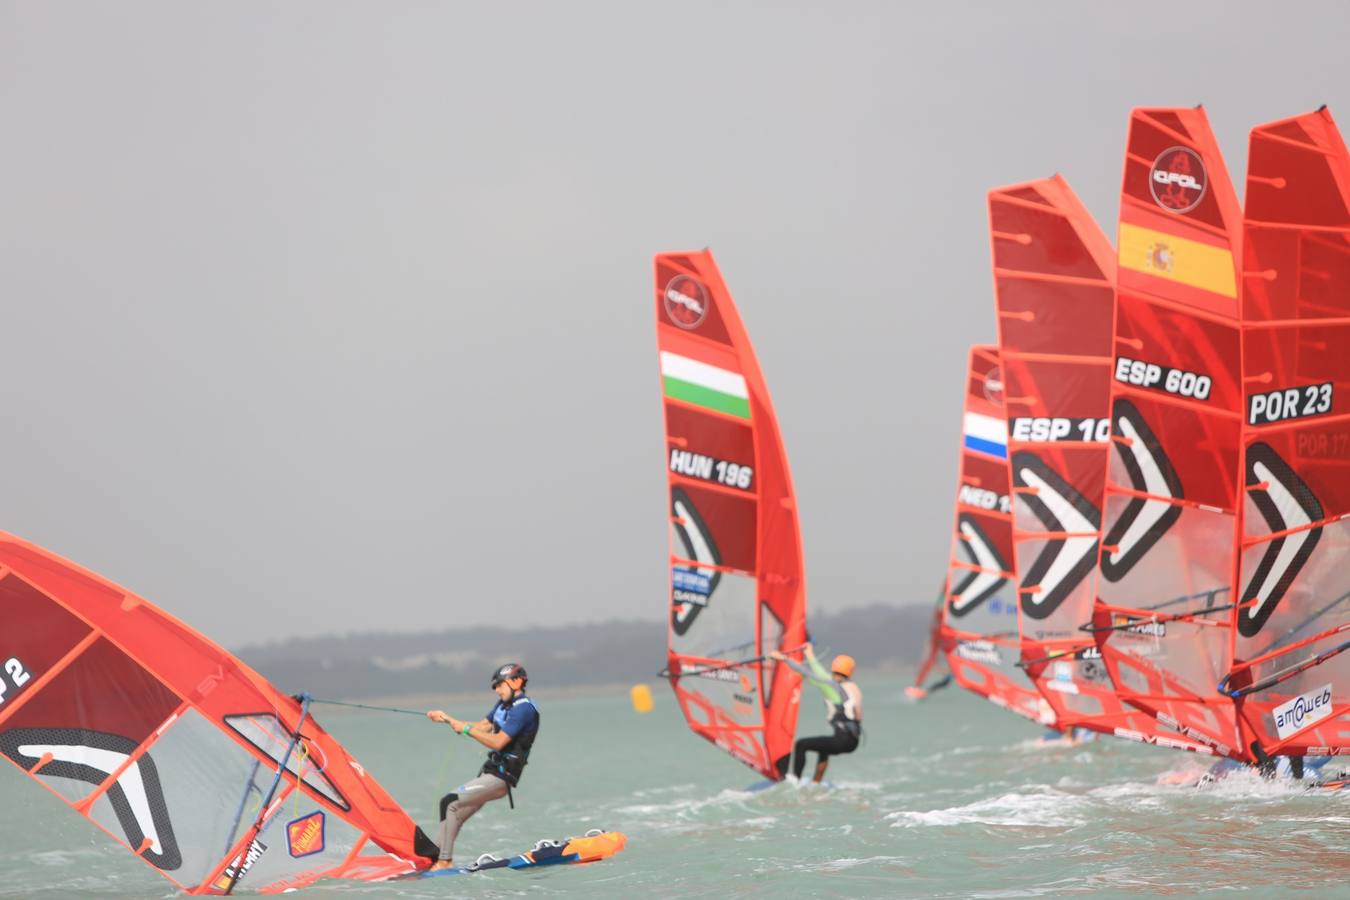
(1196, 263)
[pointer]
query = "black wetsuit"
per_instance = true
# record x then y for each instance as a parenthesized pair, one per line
(844, 718)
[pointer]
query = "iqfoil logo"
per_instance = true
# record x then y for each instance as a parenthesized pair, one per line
(686, 302)
(1177, 179)
(1304, 710)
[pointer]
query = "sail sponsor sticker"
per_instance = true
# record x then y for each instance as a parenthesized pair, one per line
(1147, 629)
(686, 301)
(689, 586)
(227, 877)
(726, 673)
(1062, 679)
(746, 695)
(979, 651)
(304, 836)
(1177, 179)
(1304, 710)
(1219, 747)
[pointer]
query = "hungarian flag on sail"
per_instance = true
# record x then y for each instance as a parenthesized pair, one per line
(705, 386)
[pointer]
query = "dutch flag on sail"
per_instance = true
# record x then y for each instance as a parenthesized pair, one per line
(986, 434)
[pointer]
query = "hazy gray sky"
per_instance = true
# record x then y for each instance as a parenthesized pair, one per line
(324, 317)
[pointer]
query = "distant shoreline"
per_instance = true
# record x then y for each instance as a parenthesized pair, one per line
(435, 669)
(423, 700)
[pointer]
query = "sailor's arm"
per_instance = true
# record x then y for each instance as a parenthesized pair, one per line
(816, 674)
(818, 671)
(481, 731)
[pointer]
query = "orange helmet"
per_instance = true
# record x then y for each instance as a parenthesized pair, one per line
(843, 665)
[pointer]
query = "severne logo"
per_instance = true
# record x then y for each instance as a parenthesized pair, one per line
(1288, 505)
(1063, 562)
(987, 578)
(691, 588)
(1145, 519)
(1303, 711)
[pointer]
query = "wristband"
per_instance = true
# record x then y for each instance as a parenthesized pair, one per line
(467, 728)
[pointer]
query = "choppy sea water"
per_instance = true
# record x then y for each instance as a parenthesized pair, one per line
(948, 798)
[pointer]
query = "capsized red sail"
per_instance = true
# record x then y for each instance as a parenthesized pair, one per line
(169, 744)
(737, 588)
(979, 625)
(1290, 676)
(1054, 281)
(1163, 622)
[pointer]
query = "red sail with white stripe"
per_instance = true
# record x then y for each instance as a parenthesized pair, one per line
(737, 584)
(979, 626)
(170, 744)
(1170, 524)
(1291, 676)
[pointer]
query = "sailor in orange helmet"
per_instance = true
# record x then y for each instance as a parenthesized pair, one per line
(843, 705)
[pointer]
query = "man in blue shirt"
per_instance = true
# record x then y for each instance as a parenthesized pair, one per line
(508, 731)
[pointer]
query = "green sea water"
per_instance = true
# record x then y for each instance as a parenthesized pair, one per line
(951, 797)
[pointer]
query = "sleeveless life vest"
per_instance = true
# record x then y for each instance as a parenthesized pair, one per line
(844, 716)
(509, 762)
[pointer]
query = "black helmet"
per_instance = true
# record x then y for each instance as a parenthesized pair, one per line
(509, 671)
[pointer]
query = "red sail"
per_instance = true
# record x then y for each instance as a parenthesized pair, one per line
(979, 627)
(1176, 412)
(1290, 675)
(1054, 279)
(1167, 553)
(737, 583)
(168, 743)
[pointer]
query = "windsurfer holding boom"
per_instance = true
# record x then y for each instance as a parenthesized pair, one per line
(508, 731)
(843, 704)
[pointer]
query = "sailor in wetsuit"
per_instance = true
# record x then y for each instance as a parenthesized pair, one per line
(508, 731)
(843, 704)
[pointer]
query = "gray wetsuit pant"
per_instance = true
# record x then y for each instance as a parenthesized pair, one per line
(457, 807)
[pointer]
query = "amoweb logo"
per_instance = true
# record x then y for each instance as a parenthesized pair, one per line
(1304, 710)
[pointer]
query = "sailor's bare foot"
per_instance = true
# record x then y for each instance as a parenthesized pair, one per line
(440, 864)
